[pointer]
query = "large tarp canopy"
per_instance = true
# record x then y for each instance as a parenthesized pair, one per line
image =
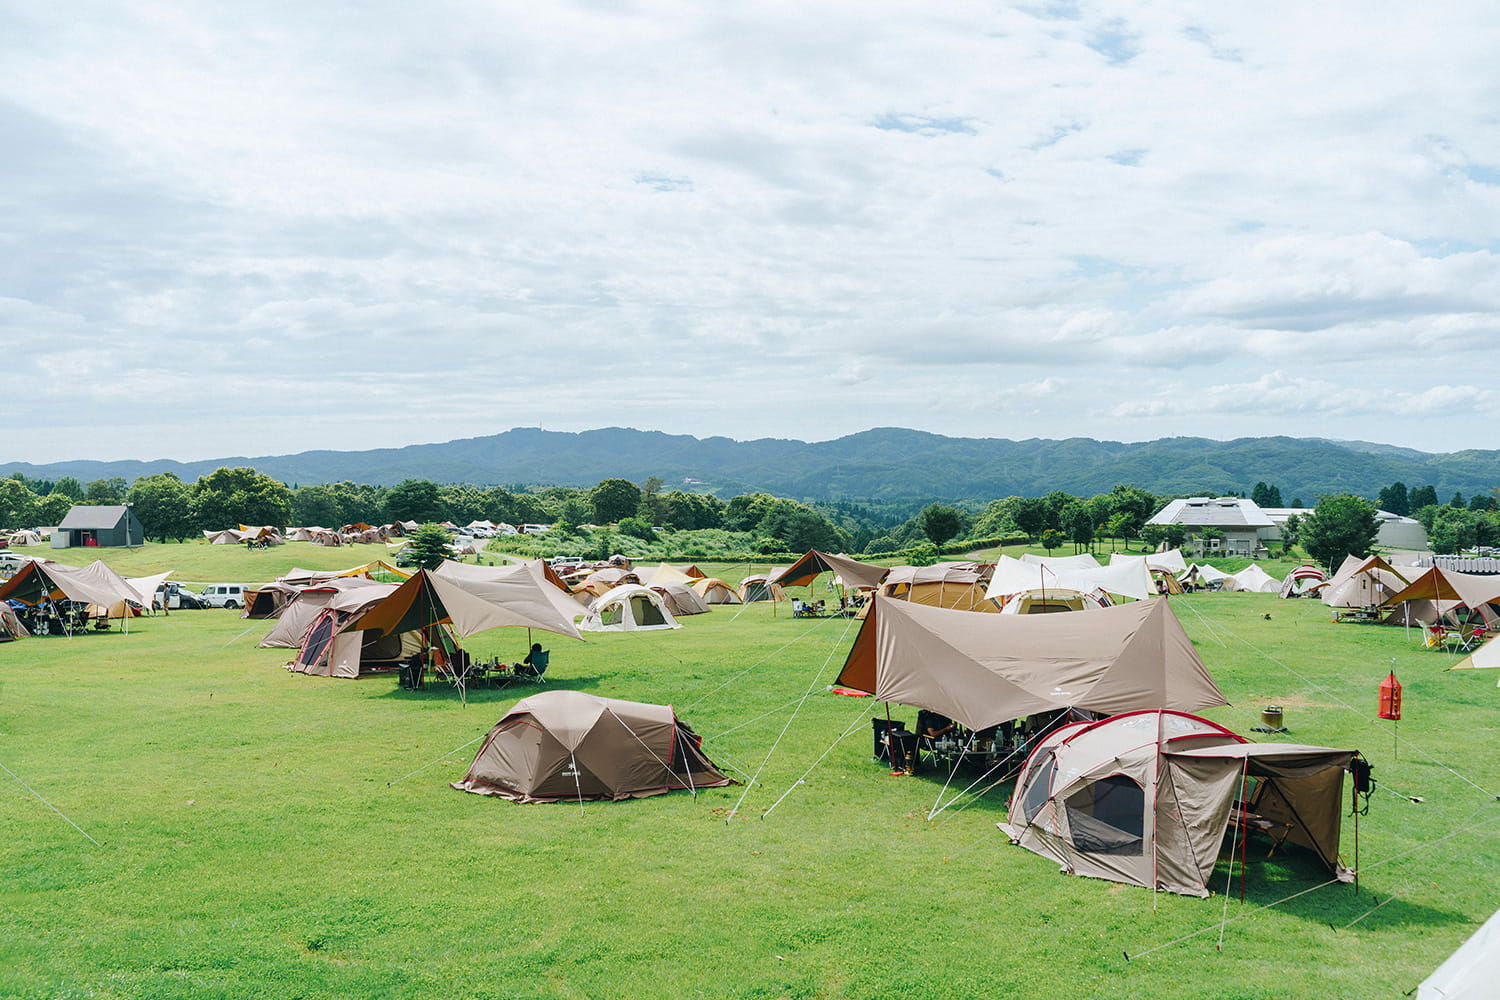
(1127, 577)
(863, 576)
(982, 670)
(528, 587)
(44, 580)
(427, 599)
(1435, 584)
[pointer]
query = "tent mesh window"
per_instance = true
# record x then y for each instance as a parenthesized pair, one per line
(647, 613)
(1038, 789)
(612, 615)
(1108, 816)
(314, 645)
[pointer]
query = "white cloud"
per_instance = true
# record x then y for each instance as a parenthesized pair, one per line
(1092, 211)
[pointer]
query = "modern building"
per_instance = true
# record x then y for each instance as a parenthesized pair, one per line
(98, 526)
(1237, 524)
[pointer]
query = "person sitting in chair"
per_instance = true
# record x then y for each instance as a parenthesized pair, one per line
(932, 725)
(533, 663)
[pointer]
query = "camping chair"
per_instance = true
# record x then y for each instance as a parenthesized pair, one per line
(536, 670)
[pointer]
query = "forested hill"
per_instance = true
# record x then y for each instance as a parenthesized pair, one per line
(879, 463)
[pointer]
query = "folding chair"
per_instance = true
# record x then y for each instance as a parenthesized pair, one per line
(536, 670)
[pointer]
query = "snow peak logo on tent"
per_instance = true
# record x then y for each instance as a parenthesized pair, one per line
(571, 772)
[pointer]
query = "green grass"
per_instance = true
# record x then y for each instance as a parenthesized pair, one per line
(274, 835)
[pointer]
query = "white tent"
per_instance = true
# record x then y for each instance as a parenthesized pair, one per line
(1471, 972)
(628, 608)
(1252, 579)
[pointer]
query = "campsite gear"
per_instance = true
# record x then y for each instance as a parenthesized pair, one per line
(1147, 797)
(1271, 716)
(568, 745)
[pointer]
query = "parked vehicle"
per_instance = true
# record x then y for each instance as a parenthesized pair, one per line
(224, 595)
(174, 596)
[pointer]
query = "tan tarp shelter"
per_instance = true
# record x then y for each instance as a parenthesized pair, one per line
(1147, 797)
(959, 585)
(1486, 657)
(1447, 589)
(981, 670)
(145, 587)
(43, 580)
(628, 608)
(428, 599)
(665, 573)
(529, 587)
(851, 573)
(716, 591)
(568, 745)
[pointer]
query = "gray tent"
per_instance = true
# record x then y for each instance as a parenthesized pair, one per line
(568, 745)
(1147, 798)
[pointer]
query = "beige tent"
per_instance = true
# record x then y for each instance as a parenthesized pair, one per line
(297, 616)
(958, 585)
(981, 670)
(1147, 798)
(759, 587)
(1363, 583)
(681, 599)
(716, 591)
(628, 608)
(568, 745)
(1046, 602)
(11, 626)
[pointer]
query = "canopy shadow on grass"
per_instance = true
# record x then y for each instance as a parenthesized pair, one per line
(439, 689)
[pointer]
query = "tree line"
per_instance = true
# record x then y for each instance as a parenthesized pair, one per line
(173, 510)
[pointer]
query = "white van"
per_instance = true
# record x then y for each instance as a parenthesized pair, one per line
(224, 595)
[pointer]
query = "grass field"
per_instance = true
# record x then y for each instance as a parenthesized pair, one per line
(242, 831)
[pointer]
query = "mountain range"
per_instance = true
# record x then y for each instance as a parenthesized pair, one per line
(882, 463)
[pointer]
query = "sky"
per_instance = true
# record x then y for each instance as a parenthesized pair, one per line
(234, 229)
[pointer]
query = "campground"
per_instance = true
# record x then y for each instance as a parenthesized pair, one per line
(244, 831)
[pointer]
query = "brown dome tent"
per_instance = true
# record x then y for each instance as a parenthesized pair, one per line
(570, 746)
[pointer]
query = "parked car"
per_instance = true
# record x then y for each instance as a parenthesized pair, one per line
(224, 595)
(174, 596)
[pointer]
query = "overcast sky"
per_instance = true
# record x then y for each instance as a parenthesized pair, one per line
(237, 229)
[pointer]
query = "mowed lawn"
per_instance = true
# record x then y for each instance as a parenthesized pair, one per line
(242, 831)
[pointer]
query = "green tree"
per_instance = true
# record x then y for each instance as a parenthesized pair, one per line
(1394, 499)
(1452, 529)
(1077, 522)
(316, 505)
(427, 546)
(414, 500)
(226, 497)
(799, 528)
(1291, 531)
(1422, 496)
(744, 513)
(71, 488)
(164, 505)
(1458, 501)
(1053, 538)
(106, 492)
(17, 504)
(637, 527)
(940, 523)
(1030, 515)
(614, 499)
(1341, 525)
(52, 508)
